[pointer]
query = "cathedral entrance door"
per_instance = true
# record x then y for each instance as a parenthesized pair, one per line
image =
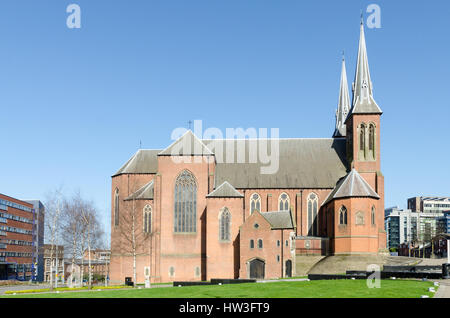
(256, 269)
(289, 268)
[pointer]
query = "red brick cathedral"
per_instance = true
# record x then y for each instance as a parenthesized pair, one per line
(187, 216)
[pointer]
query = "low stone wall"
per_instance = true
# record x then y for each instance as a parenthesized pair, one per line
(383, 275)
(177, 284)
(215, 281)
(331, 277)
(428, 275)
(417, 268)
(303, 263)
(340, 264)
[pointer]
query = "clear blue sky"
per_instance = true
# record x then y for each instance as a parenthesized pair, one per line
(76, 103)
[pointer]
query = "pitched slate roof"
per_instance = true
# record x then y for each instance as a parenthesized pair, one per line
(186, 145)
(143, 161)
(225, 190)
(353, 185)
(144, 193)
(279, 220)
(303, 163)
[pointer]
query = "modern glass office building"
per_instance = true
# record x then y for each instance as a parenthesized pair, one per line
(447, 222)
(16, 238)
(429, 204)
(403, 226)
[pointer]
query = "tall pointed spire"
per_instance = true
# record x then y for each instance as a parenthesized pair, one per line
(343, 104)
(363, 101)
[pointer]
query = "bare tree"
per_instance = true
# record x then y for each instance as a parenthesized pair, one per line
(71, 229)
(82, 231)
(92, 233)
(53, 205)
(82, 250)
(132, 236)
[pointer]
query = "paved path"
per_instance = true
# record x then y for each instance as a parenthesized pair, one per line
(444, 289)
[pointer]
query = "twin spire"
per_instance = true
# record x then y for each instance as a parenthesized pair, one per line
(343, 104)
(363, 101)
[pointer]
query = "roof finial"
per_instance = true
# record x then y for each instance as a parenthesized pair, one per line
(343, 55)
(362, 17)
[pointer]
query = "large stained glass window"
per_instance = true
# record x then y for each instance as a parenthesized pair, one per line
(185, 214)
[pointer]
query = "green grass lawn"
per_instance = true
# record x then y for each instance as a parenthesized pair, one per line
(305, 289)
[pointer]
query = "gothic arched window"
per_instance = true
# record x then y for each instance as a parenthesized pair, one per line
(283, 202)
(362, 138)
(224, 225)
(255, 203)
(372, 141)
(147, 219)
(185, 214)
(116, 207)
(343, 216)
(313, 203)
(362, 141)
